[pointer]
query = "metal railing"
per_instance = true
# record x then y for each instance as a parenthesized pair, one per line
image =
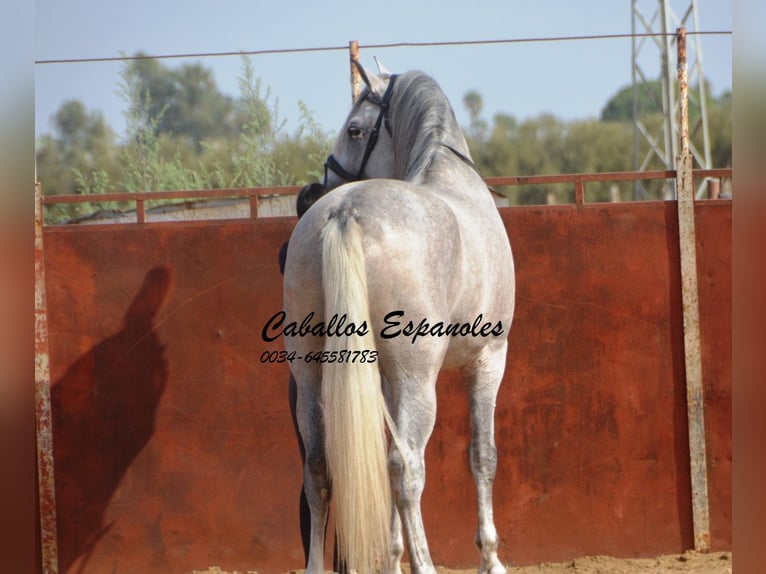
(255, 194)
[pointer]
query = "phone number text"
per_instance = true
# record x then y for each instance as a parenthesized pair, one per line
(343, 356)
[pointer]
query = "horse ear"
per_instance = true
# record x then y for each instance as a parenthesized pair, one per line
(374, 83)
(382, 70)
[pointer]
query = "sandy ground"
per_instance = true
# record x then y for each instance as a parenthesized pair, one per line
(713, 563)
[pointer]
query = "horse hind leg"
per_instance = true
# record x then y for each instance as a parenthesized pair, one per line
(317, 488)
(316, 481)
(396, 549)
(415, 415)
(484, 378)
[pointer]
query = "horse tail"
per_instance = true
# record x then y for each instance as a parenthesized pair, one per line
(355, 412)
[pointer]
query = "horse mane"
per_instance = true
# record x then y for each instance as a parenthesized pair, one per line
(423, 123)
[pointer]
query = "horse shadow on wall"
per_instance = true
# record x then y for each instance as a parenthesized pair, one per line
(104, 410)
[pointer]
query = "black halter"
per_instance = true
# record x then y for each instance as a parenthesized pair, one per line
(333, 165)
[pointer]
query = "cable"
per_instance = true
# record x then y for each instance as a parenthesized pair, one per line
(371, 46)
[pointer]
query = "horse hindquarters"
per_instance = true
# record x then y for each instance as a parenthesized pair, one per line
(354, 409)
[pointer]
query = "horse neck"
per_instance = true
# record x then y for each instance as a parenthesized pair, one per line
(441, 156)
(422, 119)
(416, 157)
(453, 174)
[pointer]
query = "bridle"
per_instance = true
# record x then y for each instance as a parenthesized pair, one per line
(333, 165)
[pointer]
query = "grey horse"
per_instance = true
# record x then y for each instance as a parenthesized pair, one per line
(404, 269)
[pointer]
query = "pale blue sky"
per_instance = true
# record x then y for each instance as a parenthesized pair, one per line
(569, 79)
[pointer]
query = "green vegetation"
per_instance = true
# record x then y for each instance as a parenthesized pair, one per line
(183, 133)
(546, 145)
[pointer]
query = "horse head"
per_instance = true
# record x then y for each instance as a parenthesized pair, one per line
(396, 128)
(363, 149)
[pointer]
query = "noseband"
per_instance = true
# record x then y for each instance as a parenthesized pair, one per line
(333, 165)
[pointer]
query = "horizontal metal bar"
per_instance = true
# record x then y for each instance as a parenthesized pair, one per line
(717, 172)
(603, 176)
(580, 177)
(176, 194)
(248, 192)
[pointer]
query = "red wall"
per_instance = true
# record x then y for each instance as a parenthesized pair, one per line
(174, 446)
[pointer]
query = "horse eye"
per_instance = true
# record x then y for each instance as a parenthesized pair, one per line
(354, 132)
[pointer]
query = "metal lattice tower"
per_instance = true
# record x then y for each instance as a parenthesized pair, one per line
(663, 143)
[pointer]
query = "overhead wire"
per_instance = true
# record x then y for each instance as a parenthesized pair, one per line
(196, 55)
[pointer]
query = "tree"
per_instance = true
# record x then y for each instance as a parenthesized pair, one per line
(237, 145)
(474, 104)
(185, 101)
(620, 106)
(183, 133)
(719, 127)
(79, 157)
(83, 139)
(545, 145)
(533, 146)
(200, 110)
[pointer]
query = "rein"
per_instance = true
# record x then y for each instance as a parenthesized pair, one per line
(463, 158)
(333, 165)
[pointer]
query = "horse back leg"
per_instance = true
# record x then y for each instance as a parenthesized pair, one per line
(484, 377)
(316, 482)
(414, 414)
(396, 550)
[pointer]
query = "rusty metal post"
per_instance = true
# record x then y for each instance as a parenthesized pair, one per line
(694, 391)
(140, 212)
(714, 187)
(356, 81)
(579, 192)
(43, 419)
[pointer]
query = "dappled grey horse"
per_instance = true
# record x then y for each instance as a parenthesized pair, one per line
(388, 281)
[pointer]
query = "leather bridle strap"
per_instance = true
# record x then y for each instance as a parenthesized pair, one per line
(333, 165)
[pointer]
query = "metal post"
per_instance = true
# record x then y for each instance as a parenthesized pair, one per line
(356, 81)
(43, 420)
(714, 185)
(579, 192)
(140, 212)
(694, 392)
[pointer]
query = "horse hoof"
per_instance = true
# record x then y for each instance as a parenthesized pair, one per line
(495, 567)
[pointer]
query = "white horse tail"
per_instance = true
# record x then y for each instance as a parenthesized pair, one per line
(355, 412)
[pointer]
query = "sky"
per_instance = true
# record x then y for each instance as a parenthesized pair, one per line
(572, 80)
